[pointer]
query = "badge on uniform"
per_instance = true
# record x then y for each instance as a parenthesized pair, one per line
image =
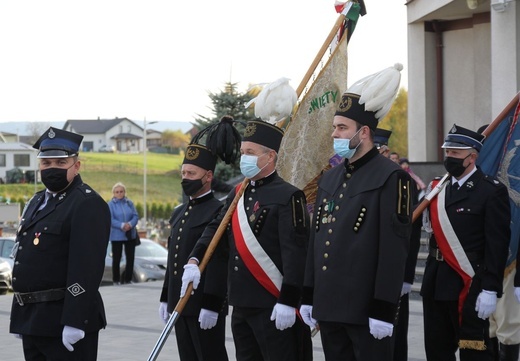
(36, 239)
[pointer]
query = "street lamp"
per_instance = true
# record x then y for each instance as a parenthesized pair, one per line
(145, 147)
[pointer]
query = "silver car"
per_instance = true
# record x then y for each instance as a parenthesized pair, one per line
(149, 263)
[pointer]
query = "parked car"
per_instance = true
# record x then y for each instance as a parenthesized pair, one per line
(107, 149)
(6, 246)
(6, 264)
(6, 275)
(149, 263)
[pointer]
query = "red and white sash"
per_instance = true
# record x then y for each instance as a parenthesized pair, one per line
(255, 258)
(449, 244)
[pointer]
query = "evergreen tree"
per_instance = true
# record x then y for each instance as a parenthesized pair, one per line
(228, 102)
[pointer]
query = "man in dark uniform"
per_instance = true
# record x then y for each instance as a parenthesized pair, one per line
(359, 239)
(207, 341)
(381, 137)
(59, 258)
(468, 251)
(265, 246)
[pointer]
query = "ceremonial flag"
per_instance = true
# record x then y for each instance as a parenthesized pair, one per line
(500, 157)
(307, 145)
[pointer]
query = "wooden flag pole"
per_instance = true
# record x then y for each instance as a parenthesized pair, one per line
(323, 49)
(489, 129)
(227, 217)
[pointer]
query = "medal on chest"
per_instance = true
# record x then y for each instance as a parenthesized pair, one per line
(36, 240)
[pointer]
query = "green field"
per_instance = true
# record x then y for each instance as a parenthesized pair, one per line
(102, 170)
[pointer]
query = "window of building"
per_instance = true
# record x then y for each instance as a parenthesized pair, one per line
(2, 160)
(22, 160)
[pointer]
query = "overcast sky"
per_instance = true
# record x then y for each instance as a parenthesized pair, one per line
(158, 59)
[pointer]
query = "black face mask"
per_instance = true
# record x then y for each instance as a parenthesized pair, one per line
(55, 179)
(455, 166)
(192, 186)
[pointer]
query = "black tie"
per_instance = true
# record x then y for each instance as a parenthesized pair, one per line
(455, 186)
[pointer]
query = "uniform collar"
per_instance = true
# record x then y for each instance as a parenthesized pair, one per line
(262, 182)
(202, 199)
(354, 166)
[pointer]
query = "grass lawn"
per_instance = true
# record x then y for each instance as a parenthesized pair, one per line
(102, 170)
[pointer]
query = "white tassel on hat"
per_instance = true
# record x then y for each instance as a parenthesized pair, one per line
(378, 91)
(275, 102)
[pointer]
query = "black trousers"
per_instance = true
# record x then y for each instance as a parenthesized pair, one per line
(40, 348)
(442, 330)
(195, 344)
(401, 330)
(348, 342)
(117, 251)
(257, 338)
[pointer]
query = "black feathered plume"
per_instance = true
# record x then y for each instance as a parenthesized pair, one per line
(222, 138)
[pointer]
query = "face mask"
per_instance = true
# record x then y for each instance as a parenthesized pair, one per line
(248, 165)
(342, 147)
(455, 166)
(192, 186)
(55, 179)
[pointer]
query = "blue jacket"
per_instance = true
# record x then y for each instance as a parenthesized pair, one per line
(122, 211)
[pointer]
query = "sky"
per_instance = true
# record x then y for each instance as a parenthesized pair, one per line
(158, 60)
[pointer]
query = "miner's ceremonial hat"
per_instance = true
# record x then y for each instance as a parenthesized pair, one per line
(369, 99)
(58, 143)
(263, 133)
(201, 156)
(462, 138)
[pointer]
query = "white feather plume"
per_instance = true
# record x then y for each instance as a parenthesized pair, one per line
(378, 91)
(275, 102)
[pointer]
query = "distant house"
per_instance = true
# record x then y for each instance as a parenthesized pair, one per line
(18, 156)
(120, 133)
(6, 137)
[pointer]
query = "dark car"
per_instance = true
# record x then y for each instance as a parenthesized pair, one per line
(6, 264)
(149, 263)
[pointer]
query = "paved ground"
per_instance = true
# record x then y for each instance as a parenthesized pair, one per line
(134, 327)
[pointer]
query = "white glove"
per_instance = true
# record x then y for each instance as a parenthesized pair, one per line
(70, 336)
(207, 319)
(486, 304)
(517, 293)
(191, 274)
(163, 312)
(407, 288)
(283, 315)
(380, 329)
(306, 313)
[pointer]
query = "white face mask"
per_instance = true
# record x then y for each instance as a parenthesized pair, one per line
(248, 165)
(342, 147)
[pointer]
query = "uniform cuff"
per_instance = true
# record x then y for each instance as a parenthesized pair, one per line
(307, 296)
(290, 295)
(164, 295)
(383, 311)
(212, 302)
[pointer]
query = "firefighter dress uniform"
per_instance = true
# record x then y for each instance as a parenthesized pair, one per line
(59, 263)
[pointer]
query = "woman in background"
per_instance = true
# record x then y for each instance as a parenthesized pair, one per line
(124, 219)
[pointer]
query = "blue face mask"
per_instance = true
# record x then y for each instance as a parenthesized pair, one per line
(342, 147)
(248, 165)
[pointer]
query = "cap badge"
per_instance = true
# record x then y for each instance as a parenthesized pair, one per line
(346, 103)
(250, 130)
(453, 129)
(192, 153)
(51, 134)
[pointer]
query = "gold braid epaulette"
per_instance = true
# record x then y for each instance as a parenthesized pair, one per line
(472, 345)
